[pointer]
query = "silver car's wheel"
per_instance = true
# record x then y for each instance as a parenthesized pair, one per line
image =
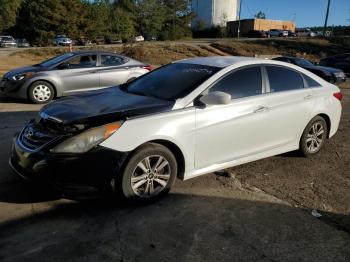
(151, 176)
(148, 175)
(41, 92)
(314, 138)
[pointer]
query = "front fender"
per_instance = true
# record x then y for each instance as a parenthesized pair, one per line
(40, 77)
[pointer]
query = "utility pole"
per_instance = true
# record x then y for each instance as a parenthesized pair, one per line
(239, 19)
(326, 20)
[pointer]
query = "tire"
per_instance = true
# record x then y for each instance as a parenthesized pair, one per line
(41, 92)
(141, 185)
(313, 137)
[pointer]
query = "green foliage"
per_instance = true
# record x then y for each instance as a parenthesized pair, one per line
(122, 23)
(260, 15)
(8, 13)
(150, 17)
(40, 20)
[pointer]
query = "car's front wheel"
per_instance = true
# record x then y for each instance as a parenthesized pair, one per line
(314, 136)
(149, 174)
(41, 92)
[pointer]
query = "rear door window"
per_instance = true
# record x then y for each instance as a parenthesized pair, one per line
(283, 79)
(111, 60)
(310, 82)
(243, 83)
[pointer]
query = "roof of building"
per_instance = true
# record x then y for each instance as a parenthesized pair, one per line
(217, 61)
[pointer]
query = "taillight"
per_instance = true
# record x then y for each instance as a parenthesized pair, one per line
(147, 67)
(338, 96)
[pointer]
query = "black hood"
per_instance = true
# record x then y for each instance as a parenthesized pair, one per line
(102, 106)
(22, 70)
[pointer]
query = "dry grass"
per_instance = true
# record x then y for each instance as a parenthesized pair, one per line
(159, 53)
(154, 53)
(311, 49)
(344, 85)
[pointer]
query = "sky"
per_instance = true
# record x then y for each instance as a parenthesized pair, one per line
(304, 12)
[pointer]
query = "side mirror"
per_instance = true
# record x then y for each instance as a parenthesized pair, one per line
(216, 98)
(63, 66)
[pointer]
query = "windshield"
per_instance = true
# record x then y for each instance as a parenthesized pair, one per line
(303, 62)
(6, 38)
(55, 60)
(171, 81)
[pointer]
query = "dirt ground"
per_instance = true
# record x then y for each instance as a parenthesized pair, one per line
(259, 211)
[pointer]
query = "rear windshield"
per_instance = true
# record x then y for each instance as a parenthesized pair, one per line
(171, 81)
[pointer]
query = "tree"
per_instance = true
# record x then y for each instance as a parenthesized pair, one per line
(150, 17)
(8, 13)
(122, 23)
(178, 19)
(96, 21)
(260, 15)
(39, 21)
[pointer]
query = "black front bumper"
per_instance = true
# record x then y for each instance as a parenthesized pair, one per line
(71, 174)
(10, 87)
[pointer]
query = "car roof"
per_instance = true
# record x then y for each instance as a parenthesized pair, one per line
(218, 61)
(292, 57)
(82, 52)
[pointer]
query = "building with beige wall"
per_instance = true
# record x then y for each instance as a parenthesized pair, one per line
(258, 24)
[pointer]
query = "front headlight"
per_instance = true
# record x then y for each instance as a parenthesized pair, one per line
(87, 140)
(22, 76)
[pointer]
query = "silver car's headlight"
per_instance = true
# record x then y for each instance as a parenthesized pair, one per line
(87, 140)
(22, 76)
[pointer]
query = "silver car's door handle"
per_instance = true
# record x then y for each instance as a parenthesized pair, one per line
(308, 97)
(261, 109)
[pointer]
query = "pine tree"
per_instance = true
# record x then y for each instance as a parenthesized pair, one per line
(8, 13)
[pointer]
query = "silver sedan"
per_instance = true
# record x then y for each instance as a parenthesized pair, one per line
(69, 74)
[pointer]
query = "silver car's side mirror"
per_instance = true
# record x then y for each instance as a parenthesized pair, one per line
(216, 98)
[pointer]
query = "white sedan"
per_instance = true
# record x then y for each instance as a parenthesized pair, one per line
(185, 119)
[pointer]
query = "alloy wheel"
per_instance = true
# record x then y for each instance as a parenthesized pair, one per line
(151, 176)
(315, 137)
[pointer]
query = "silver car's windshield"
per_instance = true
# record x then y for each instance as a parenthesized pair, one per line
(56, 60)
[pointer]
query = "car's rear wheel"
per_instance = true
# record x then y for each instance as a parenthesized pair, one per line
(314, 136)
(41, 92)
(149, 174)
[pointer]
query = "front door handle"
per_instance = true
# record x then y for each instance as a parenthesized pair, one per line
(261, 109)
(308, 97)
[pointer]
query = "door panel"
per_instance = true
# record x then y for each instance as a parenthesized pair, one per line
(79, 74)
(229, 132)
(290, 104)
(111, 76)
(289, 112)
(78, 80)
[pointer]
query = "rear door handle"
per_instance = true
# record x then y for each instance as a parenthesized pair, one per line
(261, 109)
(308, 97)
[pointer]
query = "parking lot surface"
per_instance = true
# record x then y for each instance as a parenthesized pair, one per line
(255, 212)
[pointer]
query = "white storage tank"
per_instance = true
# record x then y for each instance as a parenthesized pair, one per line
(214, 12)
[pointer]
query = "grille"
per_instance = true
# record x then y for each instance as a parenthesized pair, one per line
(35, 136)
